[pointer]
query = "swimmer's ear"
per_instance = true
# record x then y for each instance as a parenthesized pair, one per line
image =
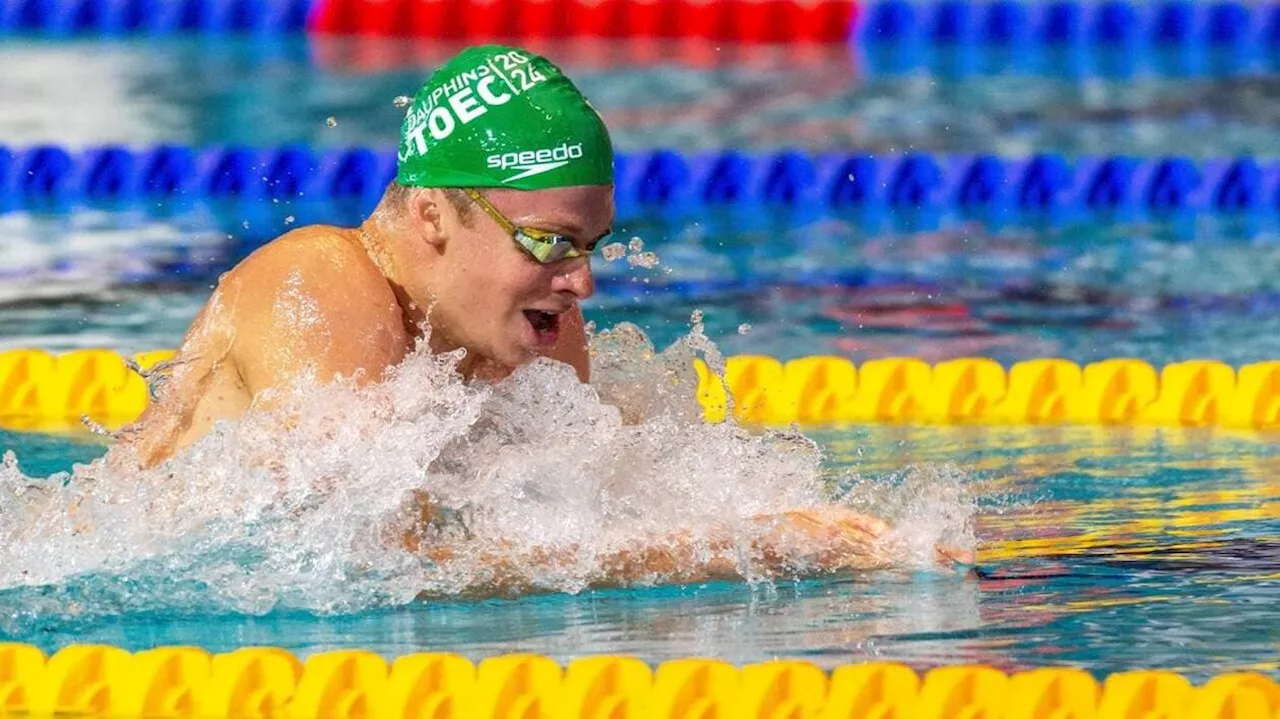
(426, 208)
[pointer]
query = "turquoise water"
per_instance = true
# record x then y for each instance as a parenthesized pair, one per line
(819, 287)
(1107, 549)
(216, 90)
(1104, 549)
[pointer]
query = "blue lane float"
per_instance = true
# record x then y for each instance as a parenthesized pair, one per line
(1045, 187)
(1061, 37)
(50, 174)
(151, 17)
(1164, 23)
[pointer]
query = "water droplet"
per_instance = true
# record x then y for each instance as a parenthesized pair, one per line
(245, 224)
(647, 260)
(695, 317)
(402, 101)
(613, 251)
(744, 328)
(94, 427)
(636, 244)
(331, 121)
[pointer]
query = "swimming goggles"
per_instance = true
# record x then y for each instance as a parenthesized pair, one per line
(545, 247)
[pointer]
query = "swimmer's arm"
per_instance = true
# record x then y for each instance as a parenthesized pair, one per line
(800, 543)
(797, 543)
(794, 543)
(303, 315)
(806, 542)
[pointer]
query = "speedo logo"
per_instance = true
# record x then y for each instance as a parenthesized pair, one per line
(534, 162)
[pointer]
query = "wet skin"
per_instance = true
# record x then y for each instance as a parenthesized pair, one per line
(322, 302)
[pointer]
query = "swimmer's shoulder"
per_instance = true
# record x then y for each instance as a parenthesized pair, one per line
(313, 296)
(323, 260)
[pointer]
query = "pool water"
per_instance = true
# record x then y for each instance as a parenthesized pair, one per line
(234, 90)
(1108, 549)
(765, 283)
(130, 278)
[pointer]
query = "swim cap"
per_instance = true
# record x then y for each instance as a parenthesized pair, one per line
(497, 116)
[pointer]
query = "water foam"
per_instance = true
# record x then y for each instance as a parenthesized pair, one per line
(537, 482)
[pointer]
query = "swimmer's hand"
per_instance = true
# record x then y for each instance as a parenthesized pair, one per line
(809, 542)
(837, 538)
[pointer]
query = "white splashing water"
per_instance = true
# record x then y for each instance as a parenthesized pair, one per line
(925, 506)
(614, 251)
(538, 478)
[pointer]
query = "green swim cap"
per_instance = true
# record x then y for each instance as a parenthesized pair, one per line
(497, 116)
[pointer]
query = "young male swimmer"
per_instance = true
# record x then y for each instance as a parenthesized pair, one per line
(482, 243)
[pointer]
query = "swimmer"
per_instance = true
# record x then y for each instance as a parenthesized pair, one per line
(503, 190)
(483, 242)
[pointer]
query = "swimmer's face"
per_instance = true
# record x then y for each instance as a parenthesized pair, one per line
(491, 296)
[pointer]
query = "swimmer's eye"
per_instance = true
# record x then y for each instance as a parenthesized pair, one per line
(547, 247)
(572, 249)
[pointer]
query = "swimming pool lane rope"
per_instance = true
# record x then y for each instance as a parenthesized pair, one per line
(1234, 31)
(103, 681)
(1045, 188)
(43, 391)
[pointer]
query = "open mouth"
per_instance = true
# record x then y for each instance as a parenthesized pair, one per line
(546, 325)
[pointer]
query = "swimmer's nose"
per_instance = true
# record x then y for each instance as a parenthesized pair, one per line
(575, 276)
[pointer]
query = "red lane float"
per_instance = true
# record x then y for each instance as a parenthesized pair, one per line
(354, 54)
(746, 21)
